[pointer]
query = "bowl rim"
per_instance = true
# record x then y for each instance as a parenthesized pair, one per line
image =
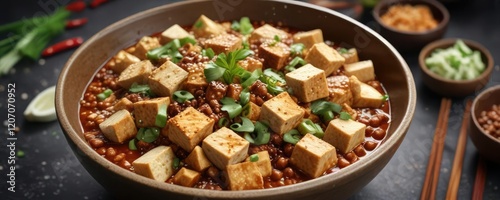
(473, 110)
(442, 24)
(447, 42)
(389, 143)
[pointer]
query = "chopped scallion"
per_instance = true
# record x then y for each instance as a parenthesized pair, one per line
(182, 96)
(161, 117)
(308, 126)
(261, 133)
(131, 145)
(245, 126)
(385, 97)
(297, 48)
(208, 53)
(223, 122)
(254, 158)
(231, 107)
(170, 50)
(294, 63)
(293, 136)
(142, 89)
(104, 95)
(176, 163)
(345, 116)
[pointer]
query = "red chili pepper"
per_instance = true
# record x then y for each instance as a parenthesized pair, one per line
(96, 3)
(76, 6)
(76, 22)
(62, 46)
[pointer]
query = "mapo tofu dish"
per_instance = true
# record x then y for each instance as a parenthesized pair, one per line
(235, 105)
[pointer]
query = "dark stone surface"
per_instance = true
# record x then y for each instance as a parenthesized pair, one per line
(49, 170)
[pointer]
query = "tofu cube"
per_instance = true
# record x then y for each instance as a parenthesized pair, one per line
(189, 128)
(308, 83)
(204, 27)
(224, 147)
(264, 163)
(135, 73)
(254, 112)
(282, 112)
(119, 127)
(365, 95)
(123, 60)
(275, 56)
(172, 33)
(266, 33)
(196, 79)
(145, 111)
(308, 38)
(339, 88)
(363, 70)
(351, 56)
(344, 134)
(244, 176)
(313, 155)
(186, 177)
(166, 79)
(124, 103)
(197, 160)
(324, 57)
(250, 64)
(156, 164)
(144, 45)
(224, 43)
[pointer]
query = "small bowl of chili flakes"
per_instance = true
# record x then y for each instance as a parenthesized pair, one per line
(411, 24)
(485, 123)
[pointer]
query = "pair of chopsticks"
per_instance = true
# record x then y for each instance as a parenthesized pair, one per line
(434, 165)
(436, 154)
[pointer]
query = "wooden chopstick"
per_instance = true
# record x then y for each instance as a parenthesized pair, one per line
(456, 170)
(478, 190)
(436, 153)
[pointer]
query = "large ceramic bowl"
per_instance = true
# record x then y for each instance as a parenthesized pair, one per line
(391, 70)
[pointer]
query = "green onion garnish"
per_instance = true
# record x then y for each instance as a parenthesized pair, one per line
(231, 107)
(342, 50)
(161, 117)
(325, 109)
(148, 134)
(182, 96)
(198, 24)
(104, 95)
(345, 116)
(141, 89)
(385, 97)
(208, 53)
(223, 122)
(176, 163)
(244, 96)
(252, 78)
(293, 136)
(170, 50)
(297, 48)
(274, 75)
(244, 26)
(131, 145)
(294, 63)
(245, 126)
(261, 133)
(254, 158)
(308, 126)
